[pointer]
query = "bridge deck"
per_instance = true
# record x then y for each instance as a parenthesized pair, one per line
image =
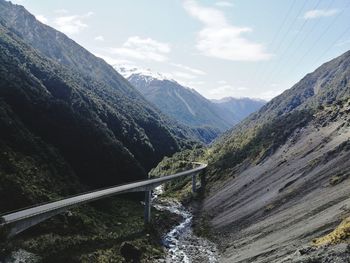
(42, 212)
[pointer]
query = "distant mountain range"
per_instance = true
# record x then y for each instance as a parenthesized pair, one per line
(186, 105)
(240, 107)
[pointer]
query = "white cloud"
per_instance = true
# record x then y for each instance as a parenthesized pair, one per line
(224, 4)
(225, 90)
(190, 69)
(99, 38)
(61, 11)
(183, 75)
(114, 61)
(317, 13)
(42, 19)
(196, 83)
(72, 24)
(225, 87)
(220, 92)
(220, 39)
(192, 84)
(144, 49)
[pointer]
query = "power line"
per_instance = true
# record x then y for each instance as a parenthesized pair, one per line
(289, 11)
(311, 30)
(284, 21)
(320, 37)
(280, 67)
(290, 27)
(347, 30)
(285, 37)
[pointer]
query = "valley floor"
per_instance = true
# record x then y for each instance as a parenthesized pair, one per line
(271, 211)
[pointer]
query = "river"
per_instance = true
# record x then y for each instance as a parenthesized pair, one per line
(181, 243)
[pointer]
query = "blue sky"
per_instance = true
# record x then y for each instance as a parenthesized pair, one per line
(239, 48)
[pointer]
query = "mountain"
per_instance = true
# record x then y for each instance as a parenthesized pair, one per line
(278, 182)
(182, 103)
(70, 123)
(239, 107)
(60, 102)
(290, 158)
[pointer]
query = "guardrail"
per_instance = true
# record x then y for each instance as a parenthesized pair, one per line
(14, 223)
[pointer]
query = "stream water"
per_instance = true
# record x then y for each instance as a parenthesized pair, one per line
(181, 243)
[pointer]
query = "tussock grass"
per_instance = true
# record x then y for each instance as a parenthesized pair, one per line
(339, 234)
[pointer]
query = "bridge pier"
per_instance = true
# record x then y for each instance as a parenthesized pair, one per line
(194, 183)
(148, 196)
(14, 223)
(203, 181)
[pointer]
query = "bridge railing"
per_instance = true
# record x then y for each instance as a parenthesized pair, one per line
(13, 223)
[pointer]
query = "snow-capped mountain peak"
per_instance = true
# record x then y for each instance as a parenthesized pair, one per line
(126, 71)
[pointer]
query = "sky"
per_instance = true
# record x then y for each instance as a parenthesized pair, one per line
(238, 48)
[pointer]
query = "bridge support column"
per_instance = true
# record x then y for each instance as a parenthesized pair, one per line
(194, 183)
(148, 195)
(203, 181)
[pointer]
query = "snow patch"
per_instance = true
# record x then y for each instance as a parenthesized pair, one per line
(127, 71)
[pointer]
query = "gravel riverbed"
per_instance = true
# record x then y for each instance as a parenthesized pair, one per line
(181, 243)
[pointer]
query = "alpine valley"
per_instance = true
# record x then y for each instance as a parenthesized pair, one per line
(274, 179)
(277, 183)
(206, 118)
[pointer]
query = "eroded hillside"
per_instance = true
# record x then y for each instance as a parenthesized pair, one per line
(279, 179)
(266, 211)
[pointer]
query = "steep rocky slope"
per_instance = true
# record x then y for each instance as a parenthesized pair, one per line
(267, 209)
(280, 178)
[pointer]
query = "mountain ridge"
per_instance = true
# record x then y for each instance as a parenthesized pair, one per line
(104, 130)
(185, 104)
(241, 107)
(69, 123)
(282, 160)
(289, 158)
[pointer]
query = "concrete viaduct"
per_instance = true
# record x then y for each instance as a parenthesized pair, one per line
(14, 223)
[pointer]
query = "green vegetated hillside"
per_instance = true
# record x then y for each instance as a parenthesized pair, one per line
(70, 123)
(137, 123)
(83, 112)
(278, 179)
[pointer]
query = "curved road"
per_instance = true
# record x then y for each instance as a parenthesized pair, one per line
(14, 223)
